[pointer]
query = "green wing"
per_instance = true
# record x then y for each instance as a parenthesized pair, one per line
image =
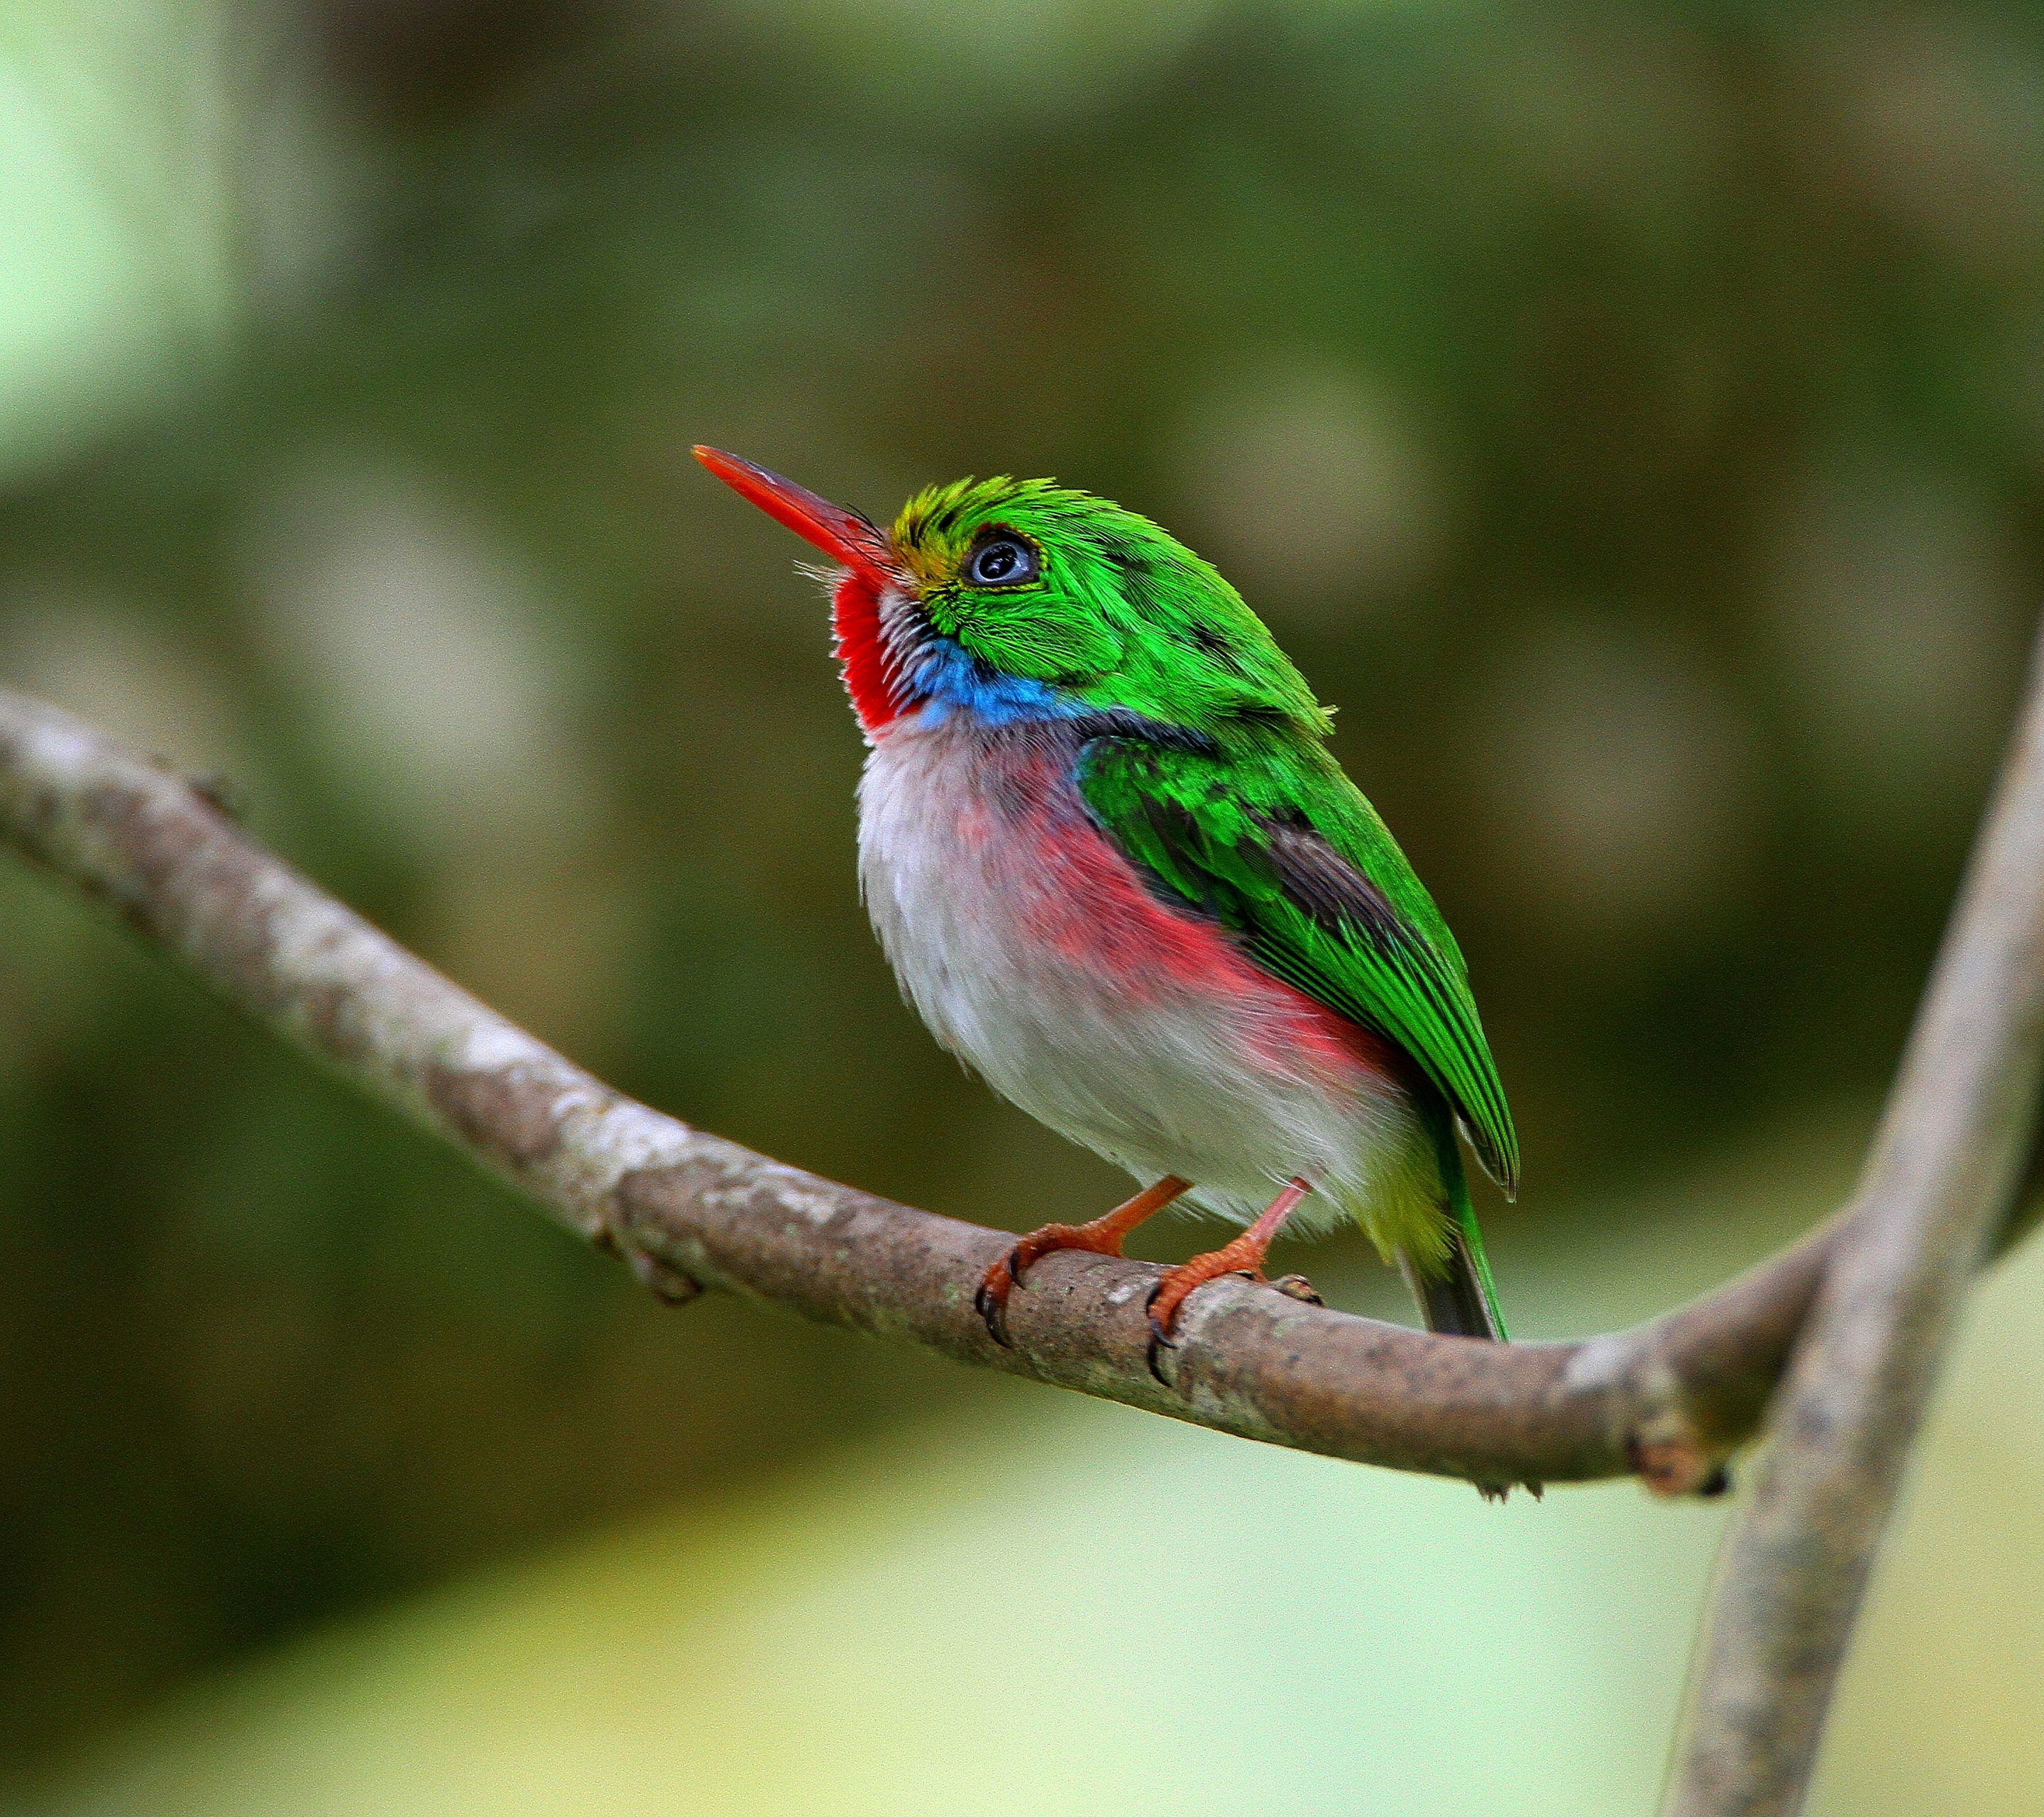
(1279, 845)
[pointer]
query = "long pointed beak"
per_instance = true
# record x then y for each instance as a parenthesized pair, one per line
(844, 535)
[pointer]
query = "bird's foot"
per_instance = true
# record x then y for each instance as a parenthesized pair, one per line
(1243, 1256)
(1000, 1280)
(1102, 1236)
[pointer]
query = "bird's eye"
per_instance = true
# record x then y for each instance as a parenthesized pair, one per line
(1000, 561)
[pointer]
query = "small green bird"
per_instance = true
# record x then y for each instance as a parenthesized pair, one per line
(1117, 871)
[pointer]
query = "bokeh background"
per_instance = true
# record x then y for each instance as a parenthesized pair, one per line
(1632, 417)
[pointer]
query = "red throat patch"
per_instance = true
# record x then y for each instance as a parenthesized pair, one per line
(861, 653)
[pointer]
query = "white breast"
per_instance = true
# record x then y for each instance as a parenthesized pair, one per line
(1035, 952)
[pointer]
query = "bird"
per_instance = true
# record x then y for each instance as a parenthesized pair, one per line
(1117, 871)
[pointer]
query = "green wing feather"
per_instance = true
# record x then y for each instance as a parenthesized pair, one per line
(1271, 837)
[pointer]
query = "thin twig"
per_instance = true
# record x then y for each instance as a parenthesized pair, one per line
(1944, 1164)
(1669, 1400)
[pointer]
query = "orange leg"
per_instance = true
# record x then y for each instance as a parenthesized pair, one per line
(1104, 1236)
(1243, 1256)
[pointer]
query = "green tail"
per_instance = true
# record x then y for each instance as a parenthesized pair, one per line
(1464, 1301)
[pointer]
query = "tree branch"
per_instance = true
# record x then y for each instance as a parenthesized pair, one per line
(1669, 1400)
(1945, 1163)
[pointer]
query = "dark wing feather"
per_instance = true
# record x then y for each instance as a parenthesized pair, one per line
(1371, 947)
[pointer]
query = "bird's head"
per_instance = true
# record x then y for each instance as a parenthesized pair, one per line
(1021, 599)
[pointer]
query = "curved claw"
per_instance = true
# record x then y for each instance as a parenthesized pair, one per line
(1160, 1339)
(1156, 1344)
(989, 1299)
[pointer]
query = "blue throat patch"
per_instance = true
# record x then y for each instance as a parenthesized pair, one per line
(949, 678)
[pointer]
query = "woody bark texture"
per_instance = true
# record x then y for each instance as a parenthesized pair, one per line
(691, 1210)
(1944, 1165)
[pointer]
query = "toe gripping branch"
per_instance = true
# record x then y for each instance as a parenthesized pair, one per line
(1243, 1256)
(1103, 1236)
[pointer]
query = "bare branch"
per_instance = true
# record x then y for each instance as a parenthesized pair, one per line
(1669, 1400)
(1945, 1161)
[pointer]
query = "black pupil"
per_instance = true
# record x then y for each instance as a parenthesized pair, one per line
(997, 562)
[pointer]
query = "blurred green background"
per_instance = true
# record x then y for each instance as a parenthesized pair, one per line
(1631, 417)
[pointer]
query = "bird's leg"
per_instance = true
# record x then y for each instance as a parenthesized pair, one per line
(1104, 1236)
(1243, 1256)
